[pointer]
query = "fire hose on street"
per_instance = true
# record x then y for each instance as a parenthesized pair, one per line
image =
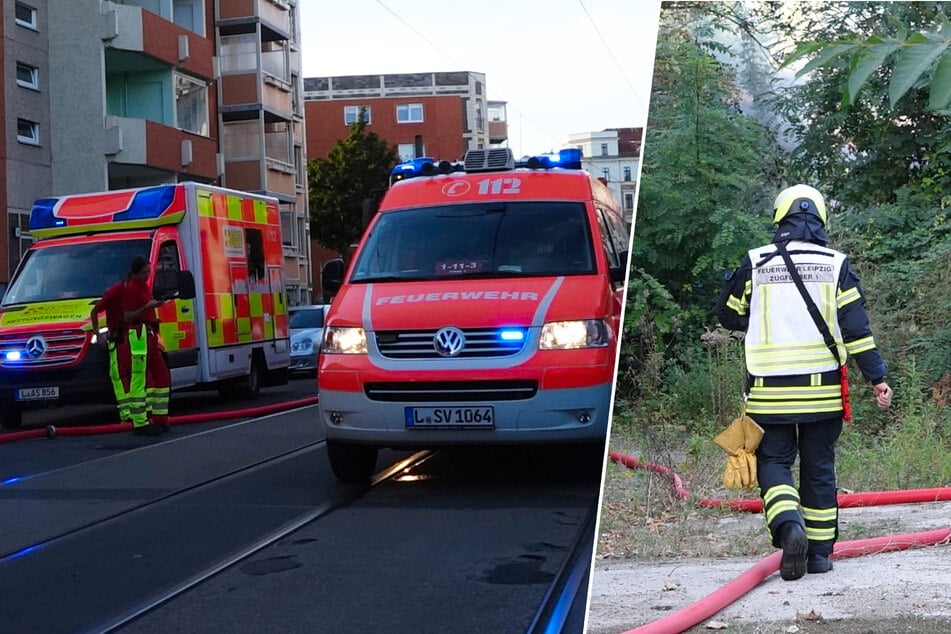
(52, 431)
(719, 599)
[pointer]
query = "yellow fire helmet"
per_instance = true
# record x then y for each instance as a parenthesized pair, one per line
(799, 199)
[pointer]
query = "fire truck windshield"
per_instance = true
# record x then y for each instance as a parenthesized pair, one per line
(519, 239)
(73, 270)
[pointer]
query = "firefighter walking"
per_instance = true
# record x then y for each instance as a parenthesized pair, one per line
(803, 310)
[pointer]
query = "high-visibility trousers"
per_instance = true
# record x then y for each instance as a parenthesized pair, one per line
(118, 388)
(144, 375)
(814, 504)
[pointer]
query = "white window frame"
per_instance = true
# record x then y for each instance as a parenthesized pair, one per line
(409, 113)
(628, 202)
(350, 114)
(34, 137)
(34, 82)
(202, 125)
(407, 151)
(604, 149)
(29, 24)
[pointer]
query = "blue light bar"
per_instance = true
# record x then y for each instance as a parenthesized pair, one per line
(41, 215)
(566, 159)
(423, 165)
(13, 355)
(147, 204)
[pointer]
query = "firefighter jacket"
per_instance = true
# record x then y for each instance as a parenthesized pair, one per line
(793, 377)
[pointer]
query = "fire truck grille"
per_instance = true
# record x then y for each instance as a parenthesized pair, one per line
(451, 391)
(41, 350)
(479, 343)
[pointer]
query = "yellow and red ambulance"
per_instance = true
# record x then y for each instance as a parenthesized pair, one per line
(482, 305)
(219, 250)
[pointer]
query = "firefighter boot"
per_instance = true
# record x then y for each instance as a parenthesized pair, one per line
(818, 563)
(793, 540)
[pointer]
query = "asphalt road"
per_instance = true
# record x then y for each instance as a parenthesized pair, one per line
(99, 529)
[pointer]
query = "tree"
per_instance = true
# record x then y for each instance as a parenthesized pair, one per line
(354, 168)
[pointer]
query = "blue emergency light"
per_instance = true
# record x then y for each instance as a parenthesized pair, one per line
(12, 355)
(512, 334)
(146, 205)
(569, 158)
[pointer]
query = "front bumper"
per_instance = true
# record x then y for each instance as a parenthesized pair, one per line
(549, 416)
(86, 382)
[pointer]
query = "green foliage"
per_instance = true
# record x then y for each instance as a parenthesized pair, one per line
(338, 185)
(708, 175)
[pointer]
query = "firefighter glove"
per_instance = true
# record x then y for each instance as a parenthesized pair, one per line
(740, 441)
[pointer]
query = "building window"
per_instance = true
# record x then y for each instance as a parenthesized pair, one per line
(189, 14)
(28, 132)
(352, 113)
(604, 149)
(25, 15)
(629, 202)
(409, 113)
(606, 173)
(28, 76)
(289, 230)
(191, 105)
(627, 173)
(408, 151)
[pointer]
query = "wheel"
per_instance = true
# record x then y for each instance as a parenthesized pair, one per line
(353, 464)
(11, 418)
(247, 387)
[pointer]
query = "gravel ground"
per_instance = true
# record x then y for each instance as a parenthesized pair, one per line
(907, 591)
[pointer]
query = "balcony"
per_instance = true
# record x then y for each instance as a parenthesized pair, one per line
(147, 144)
(242, 16)
(148, 37)
(258, 156)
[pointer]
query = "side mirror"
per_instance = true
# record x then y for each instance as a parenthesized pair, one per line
(173, 285)
(331, 275)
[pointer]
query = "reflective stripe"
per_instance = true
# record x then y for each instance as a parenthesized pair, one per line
(787, 357)
(796, 392)
(780, 507)
(820, 515)
(779, 489)
(860, 345)
(820, 534)
(736, 304)
(847, 297)
(804, 407)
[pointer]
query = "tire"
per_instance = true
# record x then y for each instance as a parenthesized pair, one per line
(247, 387)
(11, 418)
(353, 464)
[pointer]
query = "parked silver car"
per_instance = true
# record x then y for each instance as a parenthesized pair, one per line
(307, 331)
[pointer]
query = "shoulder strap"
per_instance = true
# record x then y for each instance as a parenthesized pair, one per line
(811, 305)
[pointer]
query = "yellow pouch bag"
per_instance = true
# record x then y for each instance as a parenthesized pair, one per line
(740, 440)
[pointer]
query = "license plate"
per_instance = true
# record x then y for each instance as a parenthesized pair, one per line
(37, 394)
(450, 417)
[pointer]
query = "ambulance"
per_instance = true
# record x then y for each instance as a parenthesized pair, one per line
(218, 252)
(482, 306)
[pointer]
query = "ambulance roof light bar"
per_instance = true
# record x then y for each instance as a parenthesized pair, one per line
(423, 166)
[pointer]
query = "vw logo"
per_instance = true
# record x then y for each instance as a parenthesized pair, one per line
(449, 341)
(35, 346)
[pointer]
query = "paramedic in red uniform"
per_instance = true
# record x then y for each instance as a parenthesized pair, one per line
(112, 304)
(142, 365)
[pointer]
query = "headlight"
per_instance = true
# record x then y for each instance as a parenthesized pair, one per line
(344, 340)
(303, 344)
(570, 335)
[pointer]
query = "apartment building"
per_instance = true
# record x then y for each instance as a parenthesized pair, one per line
(441, 115)
(614, 155)
(133, 93)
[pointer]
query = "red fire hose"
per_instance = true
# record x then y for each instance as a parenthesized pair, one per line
(717, 600)
(51, 431)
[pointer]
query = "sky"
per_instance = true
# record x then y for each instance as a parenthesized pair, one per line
(562, 66)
